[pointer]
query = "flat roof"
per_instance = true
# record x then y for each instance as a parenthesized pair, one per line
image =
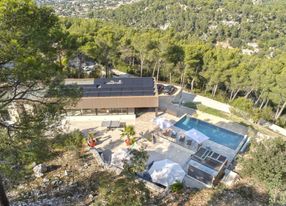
(209, 159)
(205, 165)
(103, 87)
(200, 175)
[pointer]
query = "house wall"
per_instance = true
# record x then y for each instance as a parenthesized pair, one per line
(118, 102)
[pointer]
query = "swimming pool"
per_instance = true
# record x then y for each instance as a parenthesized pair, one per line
(216, 134)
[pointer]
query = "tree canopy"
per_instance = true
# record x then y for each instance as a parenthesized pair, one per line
(239, 22)
(31, 82)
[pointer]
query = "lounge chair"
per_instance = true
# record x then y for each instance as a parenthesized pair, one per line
(114, 124)
(189, 142)
(182, 138)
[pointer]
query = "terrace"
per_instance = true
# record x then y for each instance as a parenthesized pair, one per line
(203, 162)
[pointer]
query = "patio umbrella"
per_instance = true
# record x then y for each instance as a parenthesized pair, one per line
(162, 123)
(157, 120)
(166, 172)
(196, 135)
(167, 124)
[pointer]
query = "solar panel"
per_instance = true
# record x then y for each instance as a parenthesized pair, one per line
(143, 86)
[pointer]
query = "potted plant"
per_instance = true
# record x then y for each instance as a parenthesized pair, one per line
(128, 133)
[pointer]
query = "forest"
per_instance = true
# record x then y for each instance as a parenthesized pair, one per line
(192, 63)
(236, 22)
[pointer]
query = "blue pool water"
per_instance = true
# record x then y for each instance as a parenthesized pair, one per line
(216, 134)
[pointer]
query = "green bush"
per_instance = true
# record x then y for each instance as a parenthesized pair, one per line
(177, 187)
(266, 164)
(267, 114)
(121, 191)
(69, 141)
(17, 156)
(255, 115)
(121, 66)
(137, 162)
(282, 121)
(243, 104)
(245, 108)
(95, 73)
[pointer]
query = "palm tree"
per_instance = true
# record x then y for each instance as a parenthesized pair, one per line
(128, 132)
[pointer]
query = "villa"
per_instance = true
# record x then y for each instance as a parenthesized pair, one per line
(115, 96)
(205, 152)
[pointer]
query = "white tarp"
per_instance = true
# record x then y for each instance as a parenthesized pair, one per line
(162, 123)
(166, 172)
(196, 135)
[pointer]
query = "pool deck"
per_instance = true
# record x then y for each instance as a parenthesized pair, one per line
(229, 153)
(180, 110)
(163, 148)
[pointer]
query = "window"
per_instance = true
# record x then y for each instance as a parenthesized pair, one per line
(88, 112)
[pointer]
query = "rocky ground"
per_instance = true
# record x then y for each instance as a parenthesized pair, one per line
(72, 179)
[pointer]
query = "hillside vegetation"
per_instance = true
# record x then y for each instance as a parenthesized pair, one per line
(251, 80)
(240, 23)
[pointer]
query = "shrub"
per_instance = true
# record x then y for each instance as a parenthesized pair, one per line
(121, 191)
(255, 114)
(266, 164)
(266, 114)
(244, 108)
(177, 187)
(128, 132)
(282, 121)
(121, 66)
(69, 141)
(17, 156)
(236, 42)
(243, 104)
(95, 73)
(137, 163)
